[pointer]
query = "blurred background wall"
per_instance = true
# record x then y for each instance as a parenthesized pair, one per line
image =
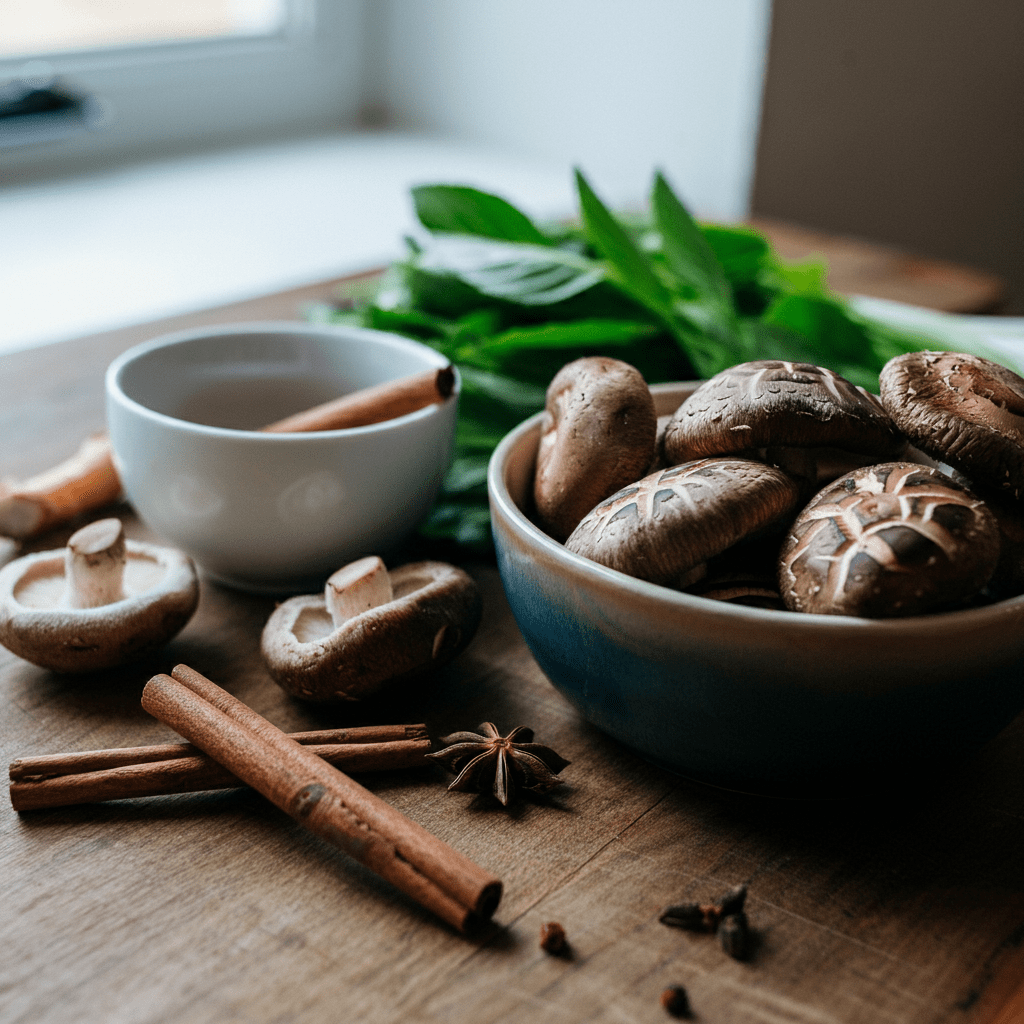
(900, 122)
(618, 88)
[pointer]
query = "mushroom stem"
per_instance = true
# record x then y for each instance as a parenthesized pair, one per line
(357, 587)
(94, 565)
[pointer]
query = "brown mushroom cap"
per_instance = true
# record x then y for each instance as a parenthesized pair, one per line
(962, 410)
(667, 524)
(768, 403)
(597, 435)
(49, 620)
(429, 614)
(891, 540)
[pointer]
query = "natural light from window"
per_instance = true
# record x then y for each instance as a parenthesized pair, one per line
(33, 27)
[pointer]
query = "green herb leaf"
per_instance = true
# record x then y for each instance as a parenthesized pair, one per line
(741, 251)
(686, 250)
(460, 210)
(825, 325)
(524, 399)
(632, 268)
(571, 334)
(527, 275)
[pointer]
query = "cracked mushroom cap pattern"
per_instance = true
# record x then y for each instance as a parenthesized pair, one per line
(673, 520)
(962, 410)
(770, 403)
(892, 540)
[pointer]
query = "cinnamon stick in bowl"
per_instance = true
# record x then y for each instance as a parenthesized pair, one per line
(323, 799)
(375, 404)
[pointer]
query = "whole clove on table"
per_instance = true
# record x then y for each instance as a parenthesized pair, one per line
(676, 1001)
(553, 939)
(734, 935)
(726, 918)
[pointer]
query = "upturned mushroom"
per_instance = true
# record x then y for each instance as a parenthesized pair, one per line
(962, 410)
(370, 629)
(888, 541)
(100, 602)
(597, 435)
(804, 418)
(665, 527)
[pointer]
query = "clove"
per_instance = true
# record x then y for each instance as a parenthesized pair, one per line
(734, 935)
(553, 940)
(675, 1001)
(727, 918)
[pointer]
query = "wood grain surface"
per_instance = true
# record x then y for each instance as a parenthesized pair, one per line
(860, 267)
(216, 908)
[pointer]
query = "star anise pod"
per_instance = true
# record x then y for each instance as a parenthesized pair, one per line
(487, 762)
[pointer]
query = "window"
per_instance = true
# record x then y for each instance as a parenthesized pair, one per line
(32, 27)
(164, 75)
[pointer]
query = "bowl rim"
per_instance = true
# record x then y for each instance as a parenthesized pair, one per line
(115, 392)
(939, 624)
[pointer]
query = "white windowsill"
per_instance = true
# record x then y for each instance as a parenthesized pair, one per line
(107, 250)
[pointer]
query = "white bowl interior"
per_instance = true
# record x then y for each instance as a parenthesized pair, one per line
(247, 376)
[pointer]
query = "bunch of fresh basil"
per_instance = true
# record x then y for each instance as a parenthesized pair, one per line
(510, 301)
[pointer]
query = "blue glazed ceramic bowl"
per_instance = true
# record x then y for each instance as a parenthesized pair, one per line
(745, 698)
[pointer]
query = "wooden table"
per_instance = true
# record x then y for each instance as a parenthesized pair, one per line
(217, 908)
(859, 267)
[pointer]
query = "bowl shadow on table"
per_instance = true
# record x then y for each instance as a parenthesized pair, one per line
(952, 835)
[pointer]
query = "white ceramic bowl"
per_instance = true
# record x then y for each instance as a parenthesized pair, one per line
(273, 512)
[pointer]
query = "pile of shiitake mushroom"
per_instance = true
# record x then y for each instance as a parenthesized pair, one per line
(782, 485)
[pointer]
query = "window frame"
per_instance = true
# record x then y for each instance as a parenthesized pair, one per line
(157, 99)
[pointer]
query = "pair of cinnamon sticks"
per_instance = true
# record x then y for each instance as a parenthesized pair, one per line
(88, 480)
(243, 747)
(60, 780)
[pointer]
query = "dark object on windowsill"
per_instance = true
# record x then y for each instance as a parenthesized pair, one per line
(30, 114)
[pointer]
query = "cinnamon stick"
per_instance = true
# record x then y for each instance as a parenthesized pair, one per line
(59, 780)
(85, 481)
(375, 404)
(45, 766)
(197, 773)
(88, 480)
(323, 799)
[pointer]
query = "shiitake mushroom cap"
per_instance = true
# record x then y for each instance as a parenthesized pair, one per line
(891, 540)
(40, 622)
(665, 525)
(769, 403)
(963, 410)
